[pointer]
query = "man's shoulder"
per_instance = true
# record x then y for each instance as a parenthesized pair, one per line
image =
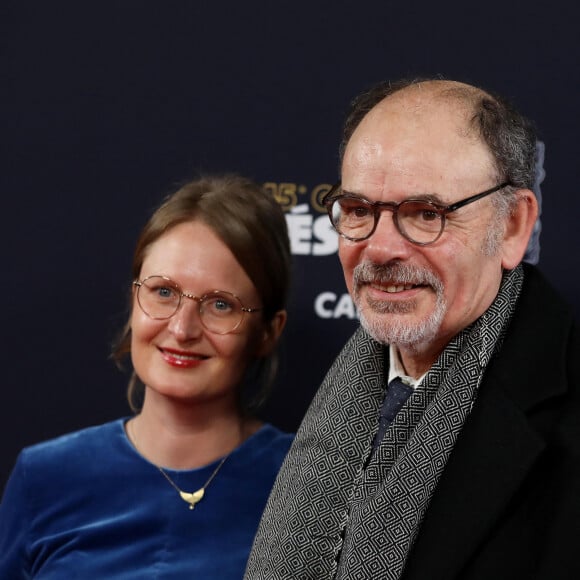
(540, 355)
(539, 294)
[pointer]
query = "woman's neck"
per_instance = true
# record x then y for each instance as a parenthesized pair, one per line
(178, 436)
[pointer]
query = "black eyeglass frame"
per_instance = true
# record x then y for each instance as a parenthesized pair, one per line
(378, 206)
(198, 299)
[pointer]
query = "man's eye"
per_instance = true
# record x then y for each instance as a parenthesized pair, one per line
(428, 215)
(419, 212)
(355, 209)
(361, 211)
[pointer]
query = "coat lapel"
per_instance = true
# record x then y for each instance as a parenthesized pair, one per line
(490, 462)
(498, 445)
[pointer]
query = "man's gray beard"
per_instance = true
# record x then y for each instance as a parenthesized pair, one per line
(386, 329)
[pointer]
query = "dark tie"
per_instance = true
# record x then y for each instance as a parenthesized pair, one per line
(396, 395)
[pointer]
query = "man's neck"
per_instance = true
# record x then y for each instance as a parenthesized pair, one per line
(398, 368)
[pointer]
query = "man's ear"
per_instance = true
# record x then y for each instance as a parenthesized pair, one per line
(271, 334)
(519, 226)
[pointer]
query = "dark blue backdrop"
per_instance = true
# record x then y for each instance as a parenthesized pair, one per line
(106, 106)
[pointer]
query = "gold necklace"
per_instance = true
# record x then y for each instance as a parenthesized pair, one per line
(192, 498)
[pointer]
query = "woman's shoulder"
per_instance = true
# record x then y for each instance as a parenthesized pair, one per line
(268, 441)
(274, 434)
(87, 443)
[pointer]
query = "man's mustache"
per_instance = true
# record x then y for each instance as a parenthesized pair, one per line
(395, 273)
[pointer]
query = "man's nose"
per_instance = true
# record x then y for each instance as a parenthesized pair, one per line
(387, 242)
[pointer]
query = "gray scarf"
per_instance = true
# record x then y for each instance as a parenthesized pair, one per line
(332, 515)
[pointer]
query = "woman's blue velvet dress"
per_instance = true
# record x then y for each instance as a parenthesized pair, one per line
(88, 506)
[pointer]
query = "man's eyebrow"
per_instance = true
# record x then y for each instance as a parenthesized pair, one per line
(354, 194)
(430, 197)
(427, 197)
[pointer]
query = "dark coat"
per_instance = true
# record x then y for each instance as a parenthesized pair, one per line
(508, 502)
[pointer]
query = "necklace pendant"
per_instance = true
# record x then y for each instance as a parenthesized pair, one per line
(192, 498)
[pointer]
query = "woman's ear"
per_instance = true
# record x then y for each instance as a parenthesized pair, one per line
(519, 226)
(271, 333)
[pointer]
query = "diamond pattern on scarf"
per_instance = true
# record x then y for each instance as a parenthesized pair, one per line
(330, 517)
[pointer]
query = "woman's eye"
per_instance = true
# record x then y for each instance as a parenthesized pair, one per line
(222, 305)
(219, 305)
(165, 292)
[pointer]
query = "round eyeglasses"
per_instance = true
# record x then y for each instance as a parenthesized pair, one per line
(220, 312)
(418, 221)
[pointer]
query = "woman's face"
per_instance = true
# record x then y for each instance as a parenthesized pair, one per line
(178, 357)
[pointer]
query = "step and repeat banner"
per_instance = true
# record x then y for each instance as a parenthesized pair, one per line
(108, 107)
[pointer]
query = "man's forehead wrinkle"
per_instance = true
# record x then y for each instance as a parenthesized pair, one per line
(425, 98)
(366, 154)
(411, 132)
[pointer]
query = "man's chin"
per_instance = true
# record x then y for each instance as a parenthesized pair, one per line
(389, 307)
(403, 331)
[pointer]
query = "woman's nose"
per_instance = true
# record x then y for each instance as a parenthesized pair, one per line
(186, 324)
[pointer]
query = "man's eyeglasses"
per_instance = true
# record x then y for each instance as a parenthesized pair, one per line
(220, 312)
(421, 222)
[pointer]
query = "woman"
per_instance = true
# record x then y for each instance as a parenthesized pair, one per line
(177, 490)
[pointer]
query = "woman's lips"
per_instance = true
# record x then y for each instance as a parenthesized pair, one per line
(181, 358)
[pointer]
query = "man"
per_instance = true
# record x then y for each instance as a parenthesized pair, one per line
(444, 442)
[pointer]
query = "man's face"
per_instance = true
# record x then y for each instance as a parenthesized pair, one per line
(419, 297)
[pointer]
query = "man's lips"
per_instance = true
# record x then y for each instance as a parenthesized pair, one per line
(181, 358)
(393, 287)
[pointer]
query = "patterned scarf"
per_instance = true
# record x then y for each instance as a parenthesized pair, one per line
(336, 511)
